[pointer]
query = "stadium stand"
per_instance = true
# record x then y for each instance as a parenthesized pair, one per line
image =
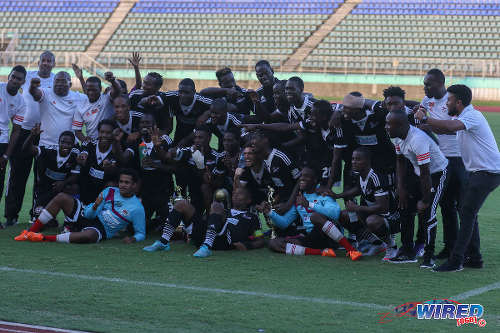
(231, 33)
(55, 25)
(405, 34)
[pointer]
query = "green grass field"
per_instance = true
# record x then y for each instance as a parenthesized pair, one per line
(113, 287)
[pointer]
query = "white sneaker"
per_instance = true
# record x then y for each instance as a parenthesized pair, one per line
(390, 252)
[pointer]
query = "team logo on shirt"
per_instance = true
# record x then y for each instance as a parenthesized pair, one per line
(54, 102)
(124, 212)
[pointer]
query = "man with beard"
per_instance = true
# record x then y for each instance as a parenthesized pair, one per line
(114, 209)
(481, 158)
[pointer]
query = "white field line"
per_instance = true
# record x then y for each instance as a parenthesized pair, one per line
(477, 291)
(459, 297)
(36, 327)
(199, 289)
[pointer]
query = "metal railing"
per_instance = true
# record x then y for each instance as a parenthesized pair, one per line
(244, 62)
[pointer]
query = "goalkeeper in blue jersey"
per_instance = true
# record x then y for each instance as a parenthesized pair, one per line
(318, 215)
(113, 210)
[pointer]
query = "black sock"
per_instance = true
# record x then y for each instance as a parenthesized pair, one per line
(172, 222)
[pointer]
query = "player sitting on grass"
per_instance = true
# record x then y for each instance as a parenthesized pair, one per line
(114, 209)
(318, 214)
(378, 209)
(222, 230)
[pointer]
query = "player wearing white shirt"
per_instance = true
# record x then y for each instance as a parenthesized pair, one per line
(95, 108)
(435, 103)
(12, 109)
(20, 162)
(481, 158)
(57, 107)
(429, 164)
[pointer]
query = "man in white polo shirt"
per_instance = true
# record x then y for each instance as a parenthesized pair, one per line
(12, 109)
(96, 107)
(57, 107)
(482, 161)
(429, 165)
(20, 161)
(434, 101)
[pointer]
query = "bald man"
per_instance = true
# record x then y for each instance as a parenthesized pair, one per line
(57, 107)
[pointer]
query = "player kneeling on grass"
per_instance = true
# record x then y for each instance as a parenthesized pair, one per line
(378, 211)
(114, 209)
(318, 214)
(234, 229)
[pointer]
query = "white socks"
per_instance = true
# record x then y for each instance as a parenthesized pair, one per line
(295, 250)
(332, 231)
(63, 238)
(45, 216)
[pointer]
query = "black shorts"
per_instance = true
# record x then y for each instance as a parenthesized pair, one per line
(317, 239)
(391, 220)
(77, 222)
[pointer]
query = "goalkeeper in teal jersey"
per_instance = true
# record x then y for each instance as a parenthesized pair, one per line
(319, 215)
(113, 210)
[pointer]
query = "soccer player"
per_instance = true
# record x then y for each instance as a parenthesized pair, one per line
(126, 120)
(253, 176)
(234, 229)
(100, 161)
(429, 164)
(481, 158)
(363, 124)
(150, 151)
(58, 169)
(95, 108)
(233, 93)
(434, 102)
(114, 209)
(230, 157)
(221, 120)
(187, 106)
(318, 215)
(150, 99)
(282, 170)
(57, 107)
(20, 162)
(135, 61)
(378, 208)
(12, 110)
(195, 168)
(265, 75)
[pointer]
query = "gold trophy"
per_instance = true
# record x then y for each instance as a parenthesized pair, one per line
(270, 200)
(222, 195)
(177, 196)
